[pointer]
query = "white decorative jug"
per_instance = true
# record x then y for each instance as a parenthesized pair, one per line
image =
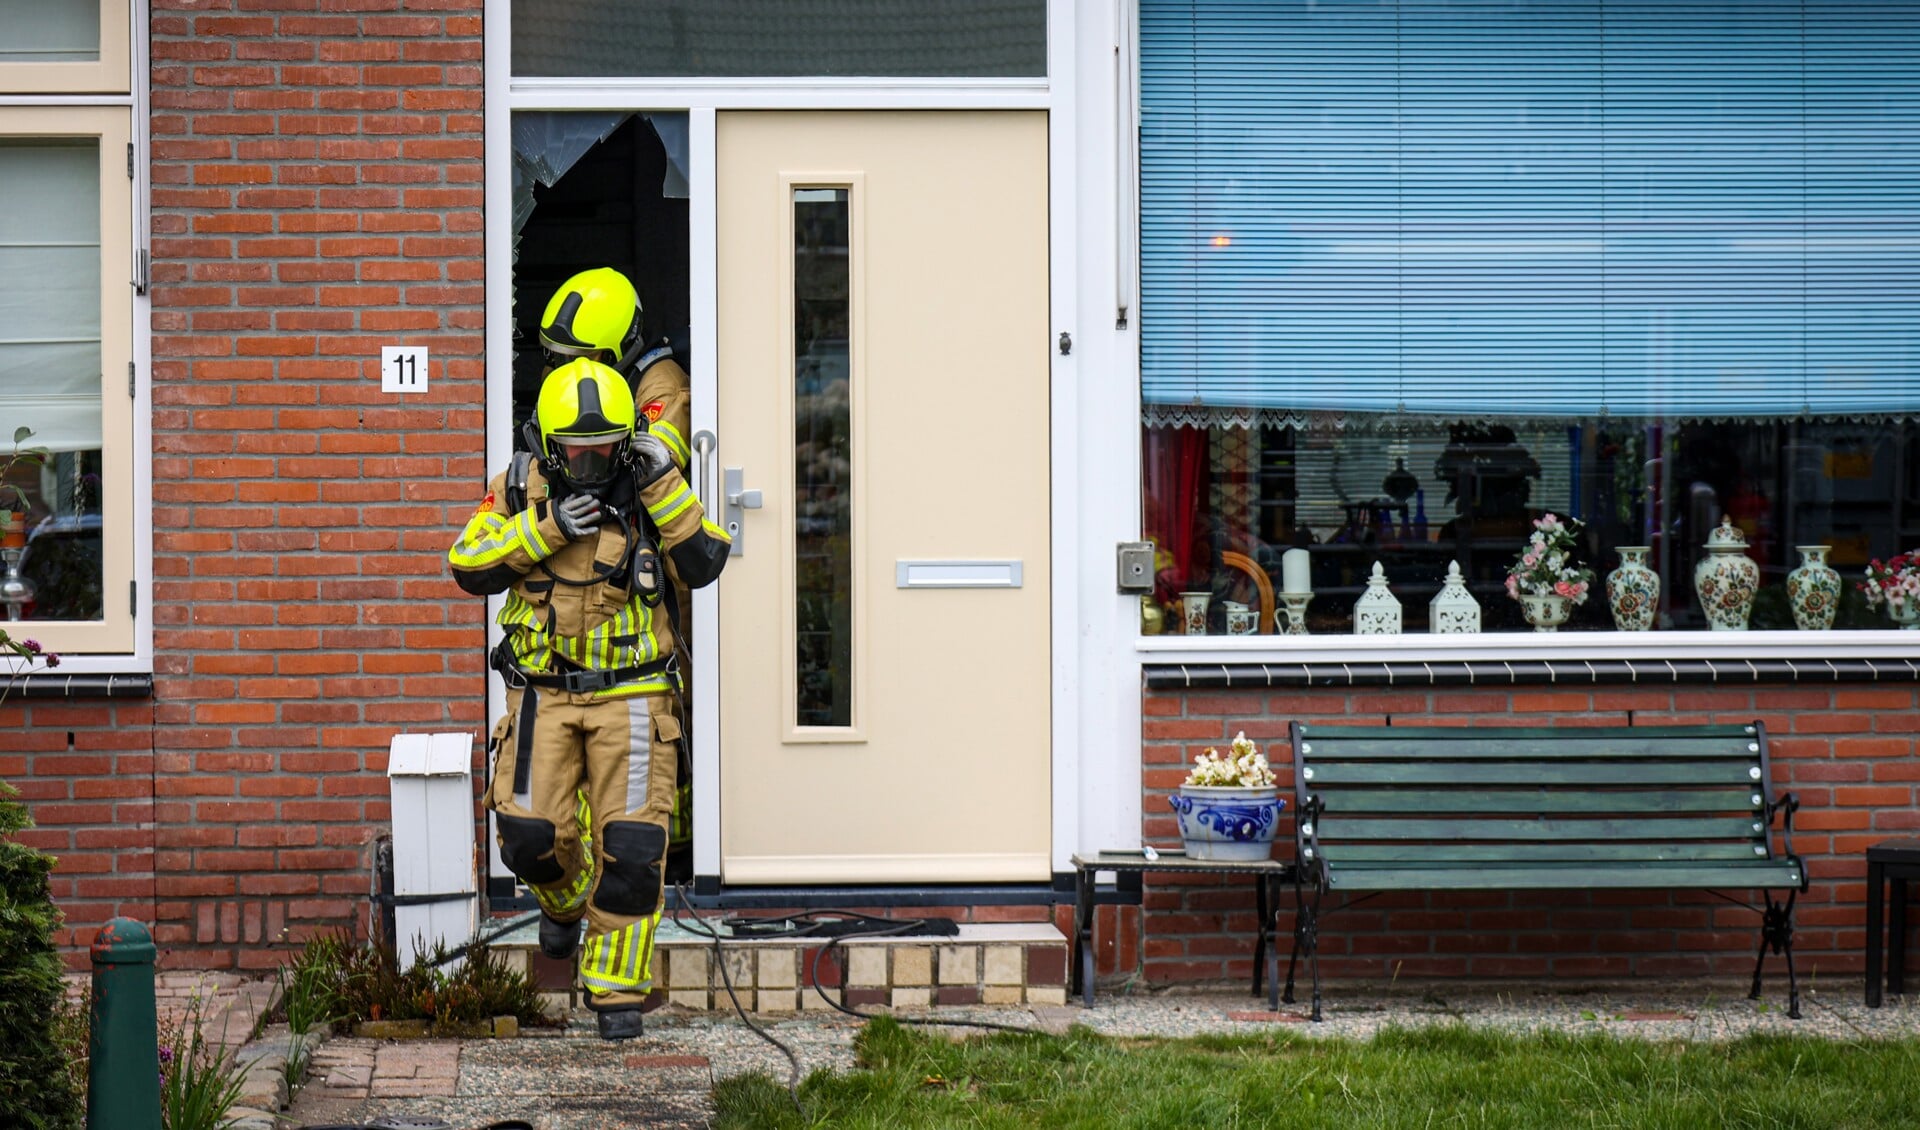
(1726, 580)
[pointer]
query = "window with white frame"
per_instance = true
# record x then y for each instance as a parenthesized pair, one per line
(66, 324)
(1570, 291)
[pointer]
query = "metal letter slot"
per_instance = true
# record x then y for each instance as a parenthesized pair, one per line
(957, 574)
(738, 499)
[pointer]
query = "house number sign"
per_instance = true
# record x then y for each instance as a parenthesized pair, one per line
(403, 368)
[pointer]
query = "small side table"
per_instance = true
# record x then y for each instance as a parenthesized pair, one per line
(1892, 862)
(1267, 876)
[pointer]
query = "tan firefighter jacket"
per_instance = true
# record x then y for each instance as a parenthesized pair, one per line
(573, 605)
(661, 398)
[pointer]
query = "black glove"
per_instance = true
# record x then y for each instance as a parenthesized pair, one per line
(578, 515)
(650, 457)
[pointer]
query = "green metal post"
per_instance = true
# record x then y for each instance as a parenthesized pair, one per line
(123, 1071)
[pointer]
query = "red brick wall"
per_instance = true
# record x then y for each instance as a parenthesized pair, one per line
(317, 190)
(1849, 752)
(85, 772)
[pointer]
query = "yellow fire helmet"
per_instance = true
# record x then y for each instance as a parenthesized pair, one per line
(593, 311)
(585, 414)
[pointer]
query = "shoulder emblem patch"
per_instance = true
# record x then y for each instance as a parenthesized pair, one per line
(653, 411)
(486, 504)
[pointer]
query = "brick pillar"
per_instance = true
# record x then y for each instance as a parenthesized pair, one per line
(317, 192)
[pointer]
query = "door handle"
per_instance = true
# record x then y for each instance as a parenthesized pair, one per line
(739, 500)
(704, 445)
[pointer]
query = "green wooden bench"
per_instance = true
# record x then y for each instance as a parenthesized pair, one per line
(1494, 808)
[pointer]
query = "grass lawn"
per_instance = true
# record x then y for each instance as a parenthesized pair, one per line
(1450, 1076)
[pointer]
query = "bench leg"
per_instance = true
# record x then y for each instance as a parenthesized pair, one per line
(1082, 958)
(1776, 933)
(1269, 941)
(1876, 888)
(1306, 939)
(1897, 942)
(1264, 949)
(1293, 959)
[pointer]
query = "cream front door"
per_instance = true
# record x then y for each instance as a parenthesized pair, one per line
(883, 377)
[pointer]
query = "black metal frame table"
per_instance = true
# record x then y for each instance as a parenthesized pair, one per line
(1891, 862)
(1267, 876)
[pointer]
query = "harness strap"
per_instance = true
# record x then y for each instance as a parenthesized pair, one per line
(582, 681)
(517, 475)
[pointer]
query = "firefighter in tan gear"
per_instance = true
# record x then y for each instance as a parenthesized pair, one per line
(574, 533)
(596, 313)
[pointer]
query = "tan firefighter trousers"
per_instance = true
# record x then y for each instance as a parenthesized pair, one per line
(583, 785)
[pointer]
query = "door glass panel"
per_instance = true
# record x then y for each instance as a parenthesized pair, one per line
(823, 456)
(779, 38)
(50, 31)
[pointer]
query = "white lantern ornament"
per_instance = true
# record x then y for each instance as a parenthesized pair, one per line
(1377, 612)
(1453, 609)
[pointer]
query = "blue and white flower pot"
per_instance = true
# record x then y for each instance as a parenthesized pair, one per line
(1228, 822)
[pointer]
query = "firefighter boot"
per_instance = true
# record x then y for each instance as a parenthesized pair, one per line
(559, 940)
(621, 1024)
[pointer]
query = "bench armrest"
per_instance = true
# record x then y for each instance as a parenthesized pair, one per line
(1786, 806)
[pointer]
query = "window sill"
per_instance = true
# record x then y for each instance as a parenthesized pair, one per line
(1533, 673)
(1531, 646)
(76, 685)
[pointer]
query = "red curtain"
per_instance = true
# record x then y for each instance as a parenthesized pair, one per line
(1175, 463)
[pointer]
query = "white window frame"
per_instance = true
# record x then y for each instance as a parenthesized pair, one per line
(99, 100)
(110, 73)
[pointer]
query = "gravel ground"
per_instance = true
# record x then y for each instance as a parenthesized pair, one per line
(570, 1080)
(1690, 1010)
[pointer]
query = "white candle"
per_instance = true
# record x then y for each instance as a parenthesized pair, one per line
(1295, 576)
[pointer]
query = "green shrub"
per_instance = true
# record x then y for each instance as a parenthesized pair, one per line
(333, 980)
(72, 1024)
(33, 1065)
(309, 998)
(199, 1080)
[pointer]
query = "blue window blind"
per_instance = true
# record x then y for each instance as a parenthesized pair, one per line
(1546, 208)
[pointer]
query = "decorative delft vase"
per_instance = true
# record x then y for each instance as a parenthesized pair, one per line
(1813, 590)
(1726, 580)
(1228, 822)
(1545, 613)
(1633, 590)
(1906, 615)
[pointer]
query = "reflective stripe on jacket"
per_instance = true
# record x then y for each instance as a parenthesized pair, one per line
(573, 598)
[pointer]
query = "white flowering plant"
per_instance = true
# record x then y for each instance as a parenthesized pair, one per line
(1894, 582)
(1242, 766)
(1545, 566)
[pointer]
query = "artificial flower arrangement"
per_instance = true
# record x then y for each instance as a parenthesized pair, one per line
(1242, 767)
(1894, 583)
(1545, 566)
